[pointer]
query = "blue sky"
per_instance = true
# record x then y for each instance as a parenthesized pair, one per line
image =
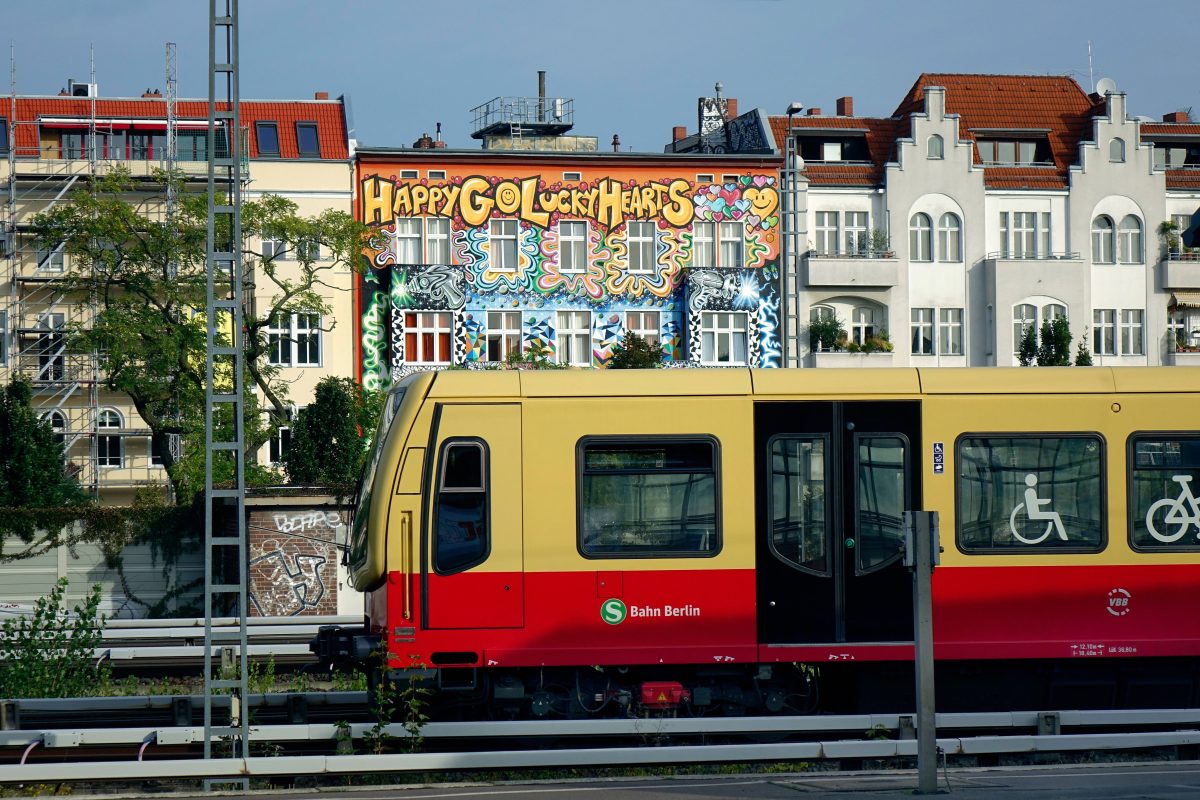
(634, 67)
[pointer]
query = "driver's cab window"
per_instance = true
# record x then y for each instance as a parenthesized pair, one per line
(461, 506)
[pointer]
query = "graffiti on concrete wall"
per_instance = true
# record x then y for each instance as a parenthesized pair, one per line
(632, 256)
(293, 562)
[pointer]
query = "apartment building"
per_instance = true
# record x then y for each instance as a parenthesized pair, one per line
(540, 242)
(983, 205)
(51, 145)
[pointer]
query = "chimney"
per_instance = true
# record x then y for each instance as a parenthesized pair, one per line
(731, 108)
(616, 143)
(424, 143)
(813, 112)
(845, 106)
(63, 93)
(1176, 116)
(678, 132)
(320, 95)
(541, 107)
(152, 93)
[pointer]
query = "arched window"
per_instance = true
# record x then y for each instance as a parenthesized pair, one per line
(920, 235)
(935, 147)
(1025, 315)
(1129, 240)
(1102, 240)
(825, 329)
(1116, 150)
(58, 424)
(1053, 311)
(109, 449)
(949, 238)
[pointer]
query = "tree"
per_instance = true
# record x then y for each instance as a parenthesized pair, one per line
(1054, 347)
(31, 456)
(331, 437)
(146, 276)
(1083, 357)
(1028, 349)
(634, 352)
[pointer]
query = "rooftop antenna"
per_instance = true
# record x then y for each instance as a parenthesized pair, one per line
(1091, 76)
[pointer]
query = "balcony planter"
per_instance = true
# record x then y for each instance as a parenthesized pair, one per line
(844, 359)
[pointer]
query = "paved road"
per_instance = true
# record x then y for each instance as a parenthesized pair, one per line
(1142, 781)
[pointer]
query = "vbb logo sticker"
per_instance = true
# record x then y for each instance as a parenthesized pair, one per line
(1118, 602)
(613, 611)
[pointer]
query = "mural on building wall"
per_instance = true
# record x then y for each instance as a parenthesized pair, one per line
(293, 562)
(538, 286)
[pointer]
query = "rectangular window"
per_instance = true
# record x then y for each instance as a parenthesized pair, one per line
(437, 240)
(409, 174)
(1044, 242)
(503, 335)
(827, 232)
(461, 508)
(831, 151)
(3, 338)
(950, 331)
(572, 176)
(732, 244)
(274, 249)
(705, 178)
(109, 452)
(307, 142)
(642, 253)
(282, 439)
(427, 337)
(922, 331)
(1024, 239)
(502, 236)
(191, 146)
(704, 252)
(1164, 476)
(408, 241)
(294, 340)
(645, 324)
(1104, 332)
(572, 246)
(1131, 332)
(437, 174)
(1030, 494)
(575, 338)
(50, 260)
(856, 232)
(268, 139)
(308, 250)
(723, 338)
(648, 498)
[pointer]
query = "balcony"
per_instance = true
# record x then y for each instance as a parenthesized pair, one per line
(843, 360)
(856, 270)
(1181, 270)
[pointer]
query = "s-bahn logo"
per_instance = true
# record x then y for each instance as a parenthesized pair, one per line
(613, 611)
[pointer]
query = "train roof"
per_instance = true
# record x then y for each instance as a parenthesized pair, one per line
(813, 382)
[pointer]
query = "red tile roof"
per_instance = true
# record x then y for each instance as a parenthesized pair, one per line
(1183, 179)
(1177, 128)
(1054, 103)
(327, 114)
(880, 135)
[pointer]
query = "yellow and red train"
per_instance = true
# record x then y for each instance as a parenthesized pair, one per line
(730, 541)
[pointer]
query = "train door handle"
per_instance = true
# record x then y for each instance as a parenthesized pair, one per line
(849, 544)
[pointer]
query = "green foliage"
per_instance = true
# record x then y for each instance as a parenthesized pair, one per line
(50, 653)
(331, 437)
(535, 356)
(1054, 347)
(1083, 356)
(634, 352)
(31, 457)
(826, 334)
(146, 276)
(1028, 349)
(880, 242)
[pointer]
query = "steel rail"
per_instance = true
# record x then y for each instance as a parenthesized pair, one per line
(176, 768)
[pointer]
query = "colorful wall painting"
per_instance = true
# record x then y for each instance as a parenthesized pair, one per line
(633, 256)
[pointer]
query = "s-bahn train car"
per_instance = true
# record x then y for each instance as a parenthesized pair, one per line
(730, 541)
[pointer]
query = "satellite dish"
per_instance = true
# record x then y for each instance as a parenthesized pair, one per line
(1105, 86)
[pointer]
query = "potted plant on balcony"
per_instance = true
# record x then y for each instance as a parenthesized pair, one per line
(1168, 234)
(880, 244)
(826, 335)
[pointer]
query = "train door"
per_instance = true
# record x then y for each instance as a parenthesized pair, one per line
(471, 549)
(833, 479)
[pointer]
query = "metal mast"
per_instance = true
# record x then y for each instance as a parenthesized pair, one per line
(171, 134)
(224, 418)
(792, 236)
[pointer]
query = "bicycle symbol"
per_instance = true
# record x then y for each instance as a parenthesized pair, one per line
(1183, 512)
(1033, 510)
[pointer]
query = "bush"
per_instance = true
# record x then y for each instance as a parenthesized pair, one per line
(826, 334)
(51, 653)
(330, 437)
(634, 352)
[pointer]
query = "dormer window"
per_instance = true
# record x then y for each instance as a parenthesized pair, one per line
(1003, 151)
(831, 147)
(1177, 155)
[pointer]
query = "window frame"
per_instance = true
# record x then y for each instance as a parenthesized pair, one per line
(635, 440)
(559, 350)
(709, 242)
(647, 262)
(1100, 326)
(905, 469)
(918, 327)
(651, 335)
(439, 489)
(736, 243)
(497, 240)
(949, 237)
(826, 440)
(828, 235)
(1102, 502)
(259, 127)
(1130, 499)
(935, 147)
(106, 440)
(947, 327)
(1129, 330)
(287, 336)
(715, 330)
(439, 235)
(920, 237)
(569, 242)
(503, 332)
(1104, 240)
(1131, 241)
(418, 329)
(1116, 150)
(306, 125)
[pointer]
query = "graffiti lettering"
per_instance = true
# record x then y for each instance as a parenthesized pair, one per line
(608, 202)
(308, 520)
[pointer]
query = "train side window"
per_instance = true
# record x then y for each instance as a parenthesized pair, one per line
(461, 507)
(1030, 493)
(799, 523)
(1164, 481)
(648, 497)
